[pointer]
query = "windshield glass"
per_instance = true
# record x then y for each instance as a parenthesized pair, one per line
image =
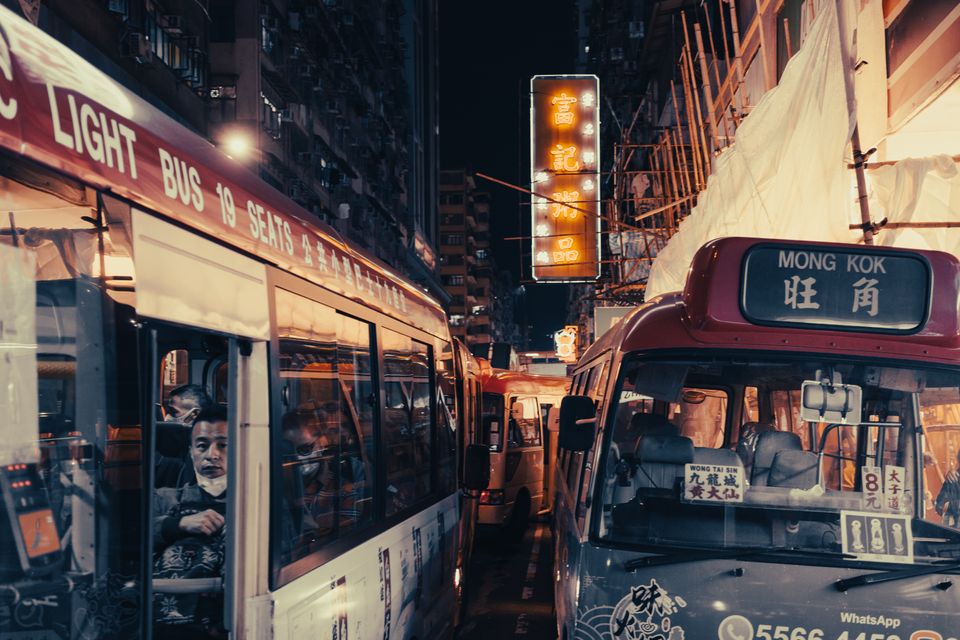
(718, 455)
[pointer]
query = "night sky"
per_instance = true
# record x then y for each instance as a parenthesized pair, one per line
(488, 52)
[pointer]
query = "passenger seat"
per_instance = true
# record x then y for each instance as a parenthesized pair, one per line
(660, 461)
(769, 445)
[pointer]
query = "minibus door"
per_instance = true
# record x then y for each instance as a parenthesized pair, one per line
(193, 477)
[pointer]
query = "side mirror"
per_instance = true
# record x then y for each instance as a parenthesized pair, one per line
(476, 467)
(578, 421)
(553, 419)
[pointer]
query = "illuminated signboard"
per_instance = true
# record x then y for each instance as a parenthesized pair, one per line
(835, 288)
(565, 177)
(565, 341)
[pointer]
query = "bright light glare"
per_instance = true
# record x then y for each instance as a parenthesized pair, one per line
(540, 176)
(587, 99)
(589, 157)
(588, 185)
(543, 230)
(236, 145)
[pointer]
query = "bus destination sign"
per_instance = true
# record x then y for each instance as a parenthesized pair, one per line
(836, 288)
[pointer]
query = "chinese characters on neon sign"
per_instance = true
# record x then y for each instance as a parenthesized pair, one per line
(565, 176)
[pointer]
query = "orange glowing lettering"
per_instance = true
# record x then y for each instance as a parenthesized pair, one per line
(558, 210)
(565, 158)
(563, 115)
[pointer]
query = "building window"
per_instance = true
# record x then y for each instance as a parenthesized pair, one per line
(456, 320)
(453, 280)
(455, 239)
(270, 118)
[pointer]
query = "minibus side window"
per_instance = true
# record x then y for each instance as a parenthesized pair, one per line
(525, 427)
(447, 439)
(326, 444)
(491, 421)
(407, 434)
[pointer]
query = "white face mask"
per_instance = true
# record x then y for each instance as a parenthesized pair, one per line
(309, 469)
(214, 486)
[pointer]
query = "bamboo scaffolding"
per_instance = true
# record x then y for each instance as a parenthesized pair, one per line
(768, 81)
(786, 37)
(695, 146)
(716, 68)
(707, 89)
(676, 113)
(912, 225)
(672, 214)
(684, 169)
(738, 59)
(696, 95)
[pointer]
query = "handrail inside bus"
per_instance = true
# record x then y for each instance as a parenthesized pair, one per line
(839, 455)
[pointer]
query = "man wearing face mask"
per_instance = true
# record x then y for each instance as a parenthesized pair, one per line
(188, 532)
(183, 406)
(314, 489)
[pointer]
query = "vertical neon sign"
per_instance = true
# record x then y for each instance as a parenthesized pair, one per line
(565, 177)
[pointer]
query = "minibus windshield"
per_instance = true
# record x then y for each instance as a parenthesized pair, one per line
(715, 455)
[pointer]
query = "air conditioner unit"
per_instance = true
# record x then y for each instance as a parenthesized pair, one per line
(137, 46)
(630, 66)
(616, 54)
(636, 29)
(348, 18)
(343, 210)
(307, 70)
(333, 106)
(227, 91)
(119, 6)
(174, 23)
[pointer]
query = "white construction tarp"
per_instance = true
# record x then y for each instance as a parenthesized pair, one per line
(918, 190)
(785, 175)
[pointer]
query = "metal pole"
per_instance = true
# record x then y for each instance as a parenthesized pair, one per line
(858, 159)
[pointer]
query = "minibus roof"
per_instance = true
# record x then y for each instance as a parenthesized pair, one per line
(503, 381)
(726, 304)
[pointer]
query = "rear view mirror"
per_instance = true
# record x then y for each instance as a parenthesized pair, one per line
(476, 467)
(830, 401)
(577, 423)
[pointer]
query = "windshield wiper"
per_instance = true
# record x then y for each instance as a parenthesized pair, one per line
(721, 554)
(896, 574)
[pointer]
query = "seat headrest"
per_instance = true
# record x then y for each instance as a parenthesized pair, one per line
(173, 439)
(709, 455)
(795, 469)
(665, 449)
(651, 424)
(749, 428)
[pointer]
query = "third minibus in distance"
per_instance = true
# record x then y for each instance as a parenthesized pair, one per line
(512, 426)
(774, 456)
